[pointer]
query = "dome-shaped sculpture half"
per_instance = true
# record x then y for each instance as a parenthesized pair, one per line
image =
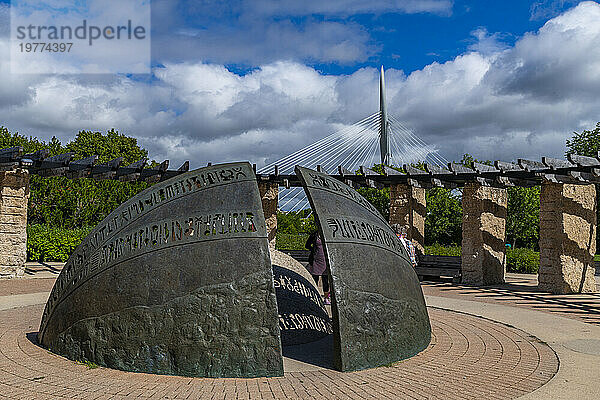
(302, 314)
(177, 280)
(379, 313)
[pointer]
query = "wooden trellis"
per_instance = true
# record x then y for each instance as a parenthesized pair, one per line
(39, 163)
(524, 173)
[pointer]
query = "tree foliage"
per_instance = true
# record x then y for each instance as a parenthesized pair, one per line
(523, 217)
(62, 202)
(468, 160)
(443, 223)
(380, 198)
(296, 222)
(586, 143)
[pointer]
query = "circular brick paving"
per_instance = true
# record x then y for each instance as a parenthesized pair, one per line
(469, 357)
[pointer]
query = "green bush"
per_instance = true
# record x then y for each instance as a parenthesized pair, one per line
(524, 261)
(443, 222)
(286, 241)
(379, 198)
(441, 250)
(45, 243)
(76, 203)
(296, 222)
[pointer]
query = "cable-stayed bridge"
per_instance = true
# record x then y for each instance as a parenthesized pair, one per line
(378, 138)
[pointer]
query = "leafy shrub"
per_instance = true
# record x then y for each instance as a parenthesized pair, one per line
(45, 243)
(524, 261)
(76, 203)
(296, 222)
(441, 250)
(379, 198)
(286, 241)
(443, 222)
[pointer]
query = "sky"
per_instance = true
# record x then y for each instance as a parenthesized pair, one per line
(256, 79)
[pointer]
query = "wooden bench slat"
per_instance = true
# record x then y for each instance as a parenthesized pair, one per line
(439, 266)
(437, 271)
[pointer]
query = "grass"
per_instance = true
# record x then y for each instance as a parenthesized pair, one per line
(392, 364)
(88, 364)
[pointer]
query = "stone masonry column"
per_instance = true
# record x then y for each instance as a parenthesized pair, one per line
(567, 238)
(14, 193)
(269, 194)
(408, 207)
(483, 234)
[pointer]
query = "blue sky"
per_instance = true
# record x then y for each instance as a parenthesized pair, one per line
(411, 41)
(257, 79)
(384, 34)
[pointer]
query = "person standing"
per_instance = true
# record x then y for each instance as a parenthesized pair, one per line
(401, 232)
(317, 265)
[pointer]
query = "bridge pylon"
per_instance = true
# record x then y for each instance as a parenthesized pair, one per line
(384, 137)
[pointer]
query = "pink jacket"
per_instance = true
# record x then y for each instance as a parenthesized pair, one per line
(318, 265)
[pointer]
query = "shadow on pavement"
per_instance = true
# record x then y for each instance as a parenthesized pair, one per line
(319, 353)
(523, 291)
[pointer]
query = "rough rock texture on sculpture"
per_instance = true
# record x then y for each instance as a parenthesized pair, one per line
(379, 313)
(302, 314)
(177, 280)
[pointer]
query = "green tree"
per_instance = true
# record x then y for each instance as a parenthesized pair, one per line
(69, 203)
(443, 223)
(468, 160)
(380, 198)
(295, 222)
(29, 144)
(523, 217)
(107, 147)
(586, 143)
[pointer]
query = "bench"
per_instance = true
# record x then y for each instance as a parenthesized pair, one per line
(298, 255)
(439, 266)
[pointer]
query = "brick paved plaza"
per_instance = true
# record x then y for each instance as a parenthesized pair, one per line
(469, 357)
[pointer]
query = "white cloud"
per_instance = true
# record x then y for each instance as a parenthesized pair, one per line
(4, 20)
(545, 9)
(487, 43)
(348, 7)
(522, 101)
(267, 41)
(501, 103)
(255, 32)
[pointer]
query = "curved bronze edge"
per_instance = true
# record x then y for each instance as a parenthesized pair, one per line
(177, 280)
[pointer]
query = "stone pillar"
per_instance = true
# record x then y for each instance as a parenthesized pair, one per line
(483, 234)
(408, 207)
(14, 193)
(567, 238)
(269, 194)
